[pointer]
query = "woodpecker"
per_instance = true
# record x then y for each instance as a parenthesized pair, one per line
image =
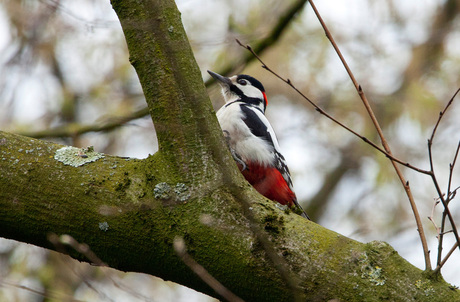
(252, 141)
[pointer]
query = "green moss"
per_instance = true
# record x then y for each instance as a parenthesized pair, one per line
(123, 184)
(273, 224)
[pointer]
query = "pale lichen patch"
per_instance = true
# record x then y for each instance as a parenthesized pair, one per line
(76, 157)
(104, 226)
(182, 191)
(371, 272)
(425, 286)
(162, 190)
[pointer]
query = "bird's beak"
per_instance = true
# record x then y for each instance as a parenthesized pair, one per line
(221, 79)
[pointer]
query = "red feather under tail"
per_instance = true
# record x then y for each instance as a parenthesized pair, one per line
(269, 182)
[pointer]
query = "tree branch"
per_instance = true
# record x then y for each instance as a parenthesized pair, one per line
(123, 210)
(113, 123)
(73, 129)
(262, 45)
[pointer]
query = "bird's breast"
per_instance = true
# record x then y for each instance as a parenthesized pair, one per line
(249, 147)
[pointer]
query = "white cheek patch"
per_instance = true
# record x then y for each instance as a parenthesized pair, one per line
(250, 91)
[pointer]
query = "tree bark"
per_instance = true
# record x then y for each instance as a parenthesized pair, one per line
(130, 211)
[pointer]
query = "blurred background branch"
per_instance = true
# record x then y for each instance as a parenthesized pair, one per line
(72, 129)
(75, 129)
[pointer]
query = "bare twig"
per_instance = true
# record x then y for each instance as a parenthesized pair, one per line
(449, 198)
(265, 43)
(181, 250)
(272, 254)
(385, 144)
(450, 195)
(451, 171)
(442, 113)
(446, 211)
(447, 232)
(441, 263)
(85, 250)
(431, 218)
(323, 112)
(59, 242)
(279, 263)
(74, 129)
(50, 295)
(444, 201)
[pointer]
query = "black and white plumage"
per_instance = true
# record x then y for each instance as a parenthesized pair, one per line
(251, 138)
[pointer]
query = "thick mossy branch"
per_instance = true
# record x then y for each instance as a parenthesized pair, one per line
(130, 211)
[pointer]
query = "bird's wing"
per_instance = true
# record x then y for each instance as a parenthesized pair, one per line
(261, 127)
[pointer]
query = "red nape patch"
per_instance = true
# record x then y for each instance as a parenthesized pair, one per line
(269, 182)
(265, 99)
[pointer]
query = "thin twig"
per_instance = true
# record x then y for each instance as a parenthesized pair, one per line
(444, 201)
(442, 113)
(449, 198)
(85, 250)
(323, 112)
(385, 144)
(50, 295)
(439, 266)
(440, 240)
(59, 242)
(112, 123)
(447, 232)
(200, 271)
(290, 279)
(74, 129)
(451, 169)
(431, 218)
(446, 212)
(262, 45)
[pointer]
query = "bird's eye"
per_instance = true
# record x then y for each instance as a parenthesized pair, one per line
(242, 82)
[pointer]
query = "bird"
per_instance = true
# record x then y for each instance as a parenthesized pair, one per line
(252, 140)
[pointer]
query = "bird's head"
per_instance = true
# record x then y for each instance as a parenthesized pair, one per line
(242, 88)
